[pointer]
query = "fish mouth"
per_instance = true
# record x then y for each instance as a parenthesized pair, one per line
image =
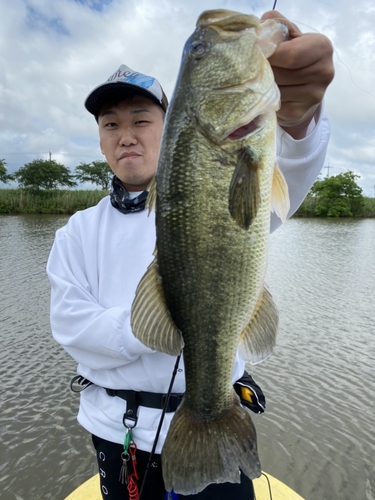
(253, 126)
(256, 118)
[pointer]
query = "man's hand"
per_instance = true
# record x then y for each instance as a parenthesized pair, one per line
(303, 69)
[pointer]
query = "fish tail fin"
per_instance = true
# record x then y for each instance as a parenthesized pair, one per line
(198, 452)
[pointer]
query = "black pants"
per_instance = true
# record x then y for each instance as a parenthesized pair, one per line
(109, 461)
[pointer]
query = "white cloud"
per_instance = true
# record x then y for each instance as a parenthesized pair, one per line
(53, 53)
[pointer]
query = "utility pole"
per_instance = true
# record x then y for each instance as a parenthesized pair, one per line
(328, 167)
(50, 155)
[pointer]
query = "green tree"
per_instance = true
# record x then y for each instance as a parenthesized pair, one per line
(97, 172)
(4, 176)
(45, 174)
(338, 196)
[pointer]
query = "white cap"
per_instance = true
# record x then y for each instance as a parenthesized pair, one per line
(125, 81)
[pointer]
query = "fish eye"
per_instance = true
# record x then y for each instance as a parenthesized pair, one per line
(198, 49)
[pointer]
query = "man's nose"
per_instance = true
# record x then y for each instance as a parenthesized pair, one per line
(127, 137)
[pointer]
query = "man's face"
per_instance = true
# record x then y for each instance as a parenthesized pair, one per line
(130, 134)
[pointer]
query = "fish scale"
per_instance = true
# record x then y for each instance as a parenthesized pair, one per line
(215, 185)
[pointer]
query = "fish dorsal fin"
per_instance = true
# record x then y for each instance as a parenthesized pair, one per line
(244, 192)
(259, 337)
(150, 319)
(151, 198)
(280, 202)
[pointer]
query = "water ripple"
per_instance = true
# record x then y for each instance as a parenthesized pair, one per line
(317, 433)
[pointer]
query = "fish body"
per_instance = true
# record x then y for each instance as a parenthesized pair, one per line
(216, 183)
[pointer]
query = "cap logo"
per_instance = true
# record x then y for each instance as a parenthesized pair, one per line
(141, 80)
(133, 78)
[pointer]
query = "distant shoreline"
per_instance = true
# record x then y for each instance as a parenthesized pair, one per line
(54, 201)
(65, 201)
(307, 209)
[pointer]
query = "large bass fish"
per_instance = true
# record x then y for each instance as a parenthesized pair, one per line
(216, 183)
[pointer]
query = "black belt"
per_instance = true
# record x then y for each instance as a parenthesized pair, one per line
(148, 399)
(133, 398)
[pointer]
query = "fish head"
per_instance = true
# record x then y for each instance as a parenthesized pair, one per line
(225, 79)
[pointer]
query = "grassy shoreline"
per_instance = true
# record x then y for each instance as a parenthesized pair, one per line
(59, 201)
(54, 201)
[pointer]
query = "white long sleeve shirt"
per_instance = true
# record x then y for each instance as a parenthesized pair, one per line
(95, 265)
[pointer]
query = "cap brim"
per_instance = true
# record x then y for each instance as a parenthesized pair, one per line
(99, 96)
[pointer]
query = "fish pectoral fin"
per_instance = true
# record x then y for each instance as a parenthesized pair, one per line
(150, 319)
(280, 202)
(151, 198)
(244, 192)
(259, 337)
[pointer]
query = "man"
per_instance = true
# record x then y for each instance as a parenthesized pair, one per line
(99, 257)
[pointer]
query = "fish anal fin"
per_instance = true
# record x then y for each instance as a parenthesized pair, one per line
(198, 452)
(244, 192)
(150, 319)
(259, 337)
(280, 202)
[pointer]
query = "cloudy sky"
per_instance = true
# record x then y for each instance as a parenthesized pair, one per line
(54, 52)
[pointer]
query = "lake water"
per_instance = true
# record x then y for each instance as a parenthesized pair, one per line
(318, 433)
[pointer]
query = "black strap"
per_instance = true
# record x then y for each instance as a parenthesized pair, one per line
(133, 398)
(148, 399)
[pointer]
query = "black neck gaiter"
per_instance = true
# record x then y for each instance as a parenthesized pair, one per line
(120, 198)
